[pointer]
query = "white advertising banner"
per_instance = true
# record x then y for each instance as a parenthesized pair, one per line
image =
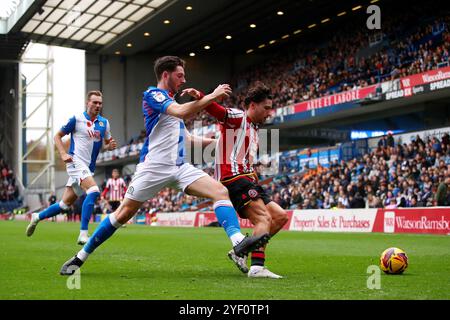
(347, 220)
(176, 219)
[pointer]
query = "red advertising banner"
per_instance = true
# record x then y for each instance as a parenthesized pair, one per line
(426, 77)
(420, 220)
(203, 219)
(339, 98)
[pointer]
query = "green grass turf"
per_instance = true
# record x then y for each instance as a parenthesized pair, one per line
(142, 262)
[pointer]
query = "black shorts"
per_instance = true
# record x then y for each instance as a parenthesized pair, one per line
(114, 205)
(242, 191)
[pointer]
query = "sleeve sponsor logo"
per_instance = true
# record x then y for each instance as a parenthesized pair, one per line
(158, 96)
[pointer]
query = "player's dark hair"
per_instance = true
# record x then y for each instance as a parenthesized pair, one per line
(93, 93)
(167, 63)
(257, 93)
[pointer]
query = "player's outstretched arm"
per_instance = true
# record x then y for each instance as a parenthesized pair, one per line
(60, 146)
(214, 109)
(187, 110)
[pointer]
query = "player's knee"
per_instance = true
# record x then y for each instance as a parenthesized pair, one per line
(220, 193)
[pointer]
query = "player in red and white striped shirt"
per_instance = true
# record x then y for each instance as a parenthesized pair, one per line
(236, 152)
(116, 187)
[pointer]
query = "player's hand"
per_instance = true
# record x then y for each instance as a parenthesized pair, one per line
(67, 158)
(222, 91)
(194, 93)
(112, 145)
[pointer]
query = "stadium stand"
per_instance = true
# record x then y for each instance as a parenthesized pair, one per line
(324, 69)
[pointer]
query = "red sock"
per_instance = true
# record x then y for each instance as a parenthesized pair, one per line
(258, 258)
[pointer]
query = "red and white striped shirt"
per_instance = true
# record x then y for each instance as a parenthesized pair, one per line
(116, 189)
(237, 144)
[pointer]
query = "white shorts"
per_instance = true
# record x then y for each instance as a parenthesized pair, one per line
(148, 180)
(77, 172)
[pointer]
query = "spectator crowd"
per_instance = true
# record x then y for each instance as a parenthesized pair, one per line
(8, 188)
(317, 70)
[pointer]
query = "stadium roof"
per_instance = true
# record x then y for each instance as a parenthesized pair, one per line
(178, 26)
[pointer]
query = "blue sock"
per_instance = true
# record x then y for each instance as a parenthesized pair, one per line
(51, 211)
(104, 230)
(227, 217)
(87, 209)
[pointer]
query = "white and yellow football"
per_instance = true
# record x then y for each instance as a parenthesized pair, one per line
(393, 261)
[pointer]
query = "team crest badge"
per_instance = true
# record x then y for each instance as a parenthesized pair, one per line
(101, 124)
(252, 193)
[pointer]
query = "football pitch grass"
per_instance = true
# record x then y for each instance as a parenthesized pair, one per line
(142, 262)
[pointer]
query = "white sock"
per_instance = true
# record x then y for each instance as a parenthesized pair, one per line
(236, 238)
(35, 217)
(256, 268)
(82, 255)
(83, 233)
(112, 219)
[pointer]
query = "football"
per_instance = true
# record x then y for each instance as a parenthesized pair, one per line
(393, 261)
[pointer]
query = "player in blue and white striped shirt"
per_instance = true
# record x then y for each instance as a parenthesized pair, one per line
(87, 132)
